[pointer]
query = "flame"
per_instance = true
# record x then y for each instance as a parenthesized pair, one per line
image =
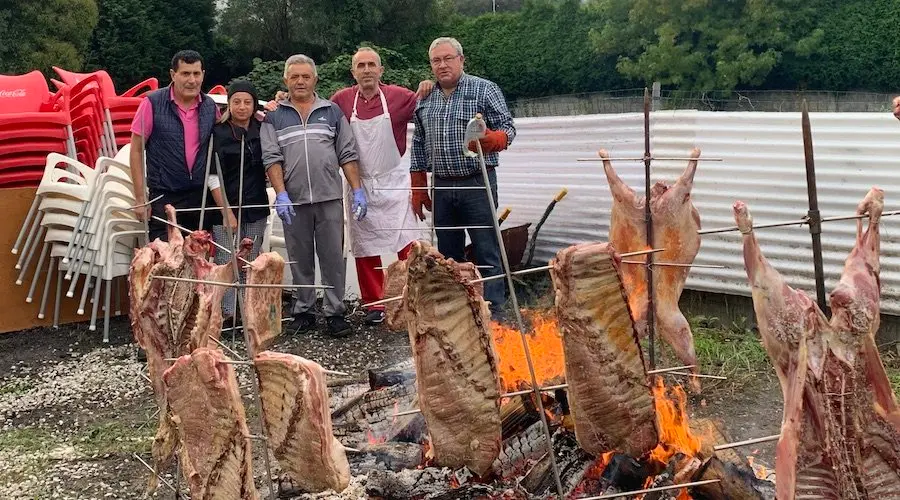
(374, 439)
(675, 434)
(545, 345)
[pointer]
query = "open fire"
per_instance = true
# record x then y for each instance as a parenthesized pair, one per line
(545, 345)
(397, 459)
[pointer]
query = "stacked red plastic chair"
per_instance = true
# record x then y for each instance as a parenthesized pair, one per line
(33, 124)
(117, 110)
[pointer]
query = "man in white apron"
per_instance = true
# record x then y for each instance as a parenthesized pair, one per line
(379, 115)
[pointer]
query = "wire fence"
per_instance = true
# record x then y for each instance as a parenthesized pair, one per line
(632, 101)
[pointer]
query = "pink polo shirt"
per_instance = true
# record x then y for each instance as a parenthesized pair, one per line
(190, 120)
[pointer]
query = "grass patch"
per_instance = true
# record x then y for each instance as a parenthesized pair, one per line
(734, 351)
(15, 387)
(891, 361)
(25, 440)
(25, 449)
(114, 437)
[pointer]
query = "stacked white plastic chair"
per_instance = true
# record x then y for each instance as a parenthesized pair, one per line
(85, 218)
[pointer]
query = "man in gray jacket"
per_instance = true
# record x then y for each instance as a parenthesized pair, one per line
(305, 141)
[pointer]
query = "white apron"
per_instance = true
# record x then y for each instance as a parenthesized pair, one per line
(380, 167)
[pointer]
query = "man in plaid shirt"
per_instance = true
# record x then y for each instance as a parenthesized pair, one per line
(440, 120)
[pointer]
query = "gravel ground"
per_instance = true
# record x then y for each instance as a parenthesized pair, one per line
(73, 411)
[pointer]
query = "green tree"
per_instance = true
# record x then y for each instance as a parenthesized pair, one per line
(38, 35)
(267, 76)
(275, 29)
(704, 44)
(542, 50)
(136, 39)
(859, 50)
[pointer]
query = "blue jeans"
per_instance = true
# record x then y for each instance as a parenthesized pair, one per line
(469, 207)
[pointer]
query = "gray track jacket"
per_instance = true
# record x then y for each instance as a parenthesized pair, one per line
(311, 153)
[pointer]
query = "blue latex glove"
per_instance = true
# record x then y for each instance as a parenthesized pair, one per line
(284, 207)
(360, 205)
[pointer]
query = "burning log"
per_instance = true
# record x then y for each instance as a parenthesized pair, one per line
(388, 456)
(573, 463)
(520, 451)
(517, 414)
(679, 470)
(408, 483)
(735, 483)
(626, 473)
(378, 380)
(397, 373)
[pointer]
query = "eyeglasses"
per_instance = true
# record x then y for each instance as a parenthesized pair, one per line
(436, 61)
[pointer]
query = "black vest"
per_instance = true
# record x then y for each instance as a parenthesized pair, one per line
(166, 167)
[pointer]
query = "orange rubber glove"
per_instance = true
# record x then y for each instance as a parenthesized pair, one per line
(420, 197)
(492, 142)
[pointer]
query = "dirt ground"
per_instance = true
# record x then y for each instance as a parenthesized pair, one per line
(74, 411)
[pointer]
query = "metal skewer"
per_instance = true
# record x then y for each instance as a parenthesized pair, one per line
(439, 188)
(146, 204)
(515, 305)
(141, 460)
(644, 158)
(774, 437)
(442, 228)
(699, 375)
(651, 490)
(188, 231)
(674, 264)
(240, 305)
(798, 222)
(235, 284)
(520, 272)
(670, 369)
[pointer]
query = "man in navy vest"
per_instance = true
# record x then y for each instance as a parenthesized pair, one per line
(174, 124)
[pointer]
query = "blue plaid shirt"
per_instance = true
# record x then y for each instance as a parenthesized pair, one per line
(441, 127)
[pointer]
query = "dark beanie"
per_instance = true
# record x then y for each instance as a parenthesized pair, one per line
(243, 86)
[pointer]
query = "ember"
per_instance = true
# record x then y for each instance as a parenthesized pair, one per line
(545, 344)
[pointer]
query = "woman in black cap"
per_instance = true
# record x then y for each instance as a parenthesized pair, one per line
(238, 130)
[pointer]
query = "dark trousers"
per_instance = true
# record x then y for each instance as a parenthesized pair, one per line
(189, 220)
(469, 207)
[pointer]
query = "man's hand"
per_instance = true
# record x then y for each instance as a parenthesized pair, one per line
(360, 206)
(141, 209)
(273, 104)
(425, 88)
(420, 197)
(492, 142)
(232, 220)
(284, 207)
(897, 107)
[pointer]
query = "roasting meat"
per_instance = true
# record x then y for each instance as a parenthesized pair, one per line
(395, 286)
(839, 434)
(170, 318)
(609, 394)
(854, 378)
(298, 422)
(788, 323)
(675, 225)
(262, 306)
(206, 406)
(456, 366)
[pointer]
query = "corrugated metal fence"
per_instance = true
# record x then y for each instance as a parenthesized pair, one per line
(762, 164)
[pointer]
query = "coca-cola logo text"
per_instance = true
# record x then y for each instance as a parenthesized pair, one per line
(12, 93)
